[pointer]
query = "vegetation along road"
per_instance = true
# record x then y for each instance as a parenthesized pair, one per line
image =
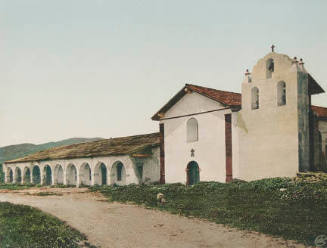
(112, 224)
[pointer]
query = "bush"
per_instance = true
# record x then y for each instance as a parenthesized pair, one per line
(24, 226)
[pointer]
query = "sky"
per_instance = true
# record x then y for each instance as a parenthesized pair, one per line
(102, 68)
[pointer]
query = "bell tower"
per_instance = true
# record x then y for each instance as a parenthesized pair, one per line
(274, 120)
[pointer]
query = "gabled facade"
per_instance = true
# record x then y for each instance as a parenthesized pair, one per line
(193, 131)
(213, 135)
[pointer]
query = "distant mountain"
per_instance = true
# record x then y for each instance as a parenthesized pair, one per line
(21, 150)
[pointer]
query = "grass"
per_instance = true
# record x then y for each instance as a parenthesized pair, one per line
(13, 186)
(292, 209)
(47, 194)
(16, 186)
(62, 186)
(24, 226)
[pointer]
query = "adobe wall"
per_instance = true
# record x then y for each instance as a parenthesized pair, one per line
(209, 150)
(268, 136)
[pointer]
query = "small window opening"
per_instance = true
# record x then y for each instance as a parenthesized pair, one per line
(281, 93)
(255, 98)
(139, 167)
(192, 130)
(270, 67)
(119, 171)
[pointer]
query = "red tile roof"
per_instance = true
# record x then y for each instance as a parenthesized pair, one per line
(229, 99)
(225, 97)
(321, 112)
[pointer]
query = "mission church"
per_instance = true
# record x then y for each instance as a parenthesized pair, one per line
(270, 130)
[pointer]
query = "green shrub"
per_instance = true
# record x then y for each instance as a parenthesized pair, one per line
(24, 226)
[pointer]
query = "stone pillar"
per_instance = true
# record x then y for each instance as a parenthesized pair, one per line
(41, 175)
(23, 176)
(92, 174)
(52, 176)
(77, 179)
(14, 175)
(108, 175)
(31, 173)
(64, 168)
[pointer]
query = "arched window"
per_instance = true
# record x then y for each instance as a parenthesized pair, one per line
(100, 174)
(270, 67)
(255, 98)
(58, 174)
(10, 175)
(192, 130)
(281, 93)
(119, 171)
(18, 175)
(26, 175)
(71, 175)
(47, 175)
(85, 174)
(36, 175)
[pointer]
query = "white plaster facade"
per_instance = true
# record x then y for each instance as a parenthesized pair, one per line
(209, 150)
(269, 145)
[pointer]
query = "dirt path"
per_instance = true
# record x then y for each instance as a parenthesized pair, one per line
(119, 225)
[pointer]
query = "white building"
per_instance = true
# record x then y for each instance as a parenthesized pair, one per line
(270, 130)
(121, 161)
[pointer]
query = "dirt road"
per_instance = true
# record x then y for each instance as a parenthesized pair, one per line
(119, 225)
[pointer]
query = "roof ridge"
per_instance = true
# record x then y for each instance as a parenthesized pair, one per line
(318, 106)
(212, 89)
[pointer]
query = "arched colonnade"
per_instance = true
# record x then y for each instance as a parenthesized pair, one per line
(82, 172)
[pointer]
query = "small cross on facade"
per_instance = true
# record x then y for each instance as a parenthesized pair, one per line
(192, 152)
(273, 48)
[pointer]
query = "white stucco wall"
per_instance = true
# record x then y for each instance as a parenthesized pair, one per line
(210, 147)
(151, 168)
(269, 135)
